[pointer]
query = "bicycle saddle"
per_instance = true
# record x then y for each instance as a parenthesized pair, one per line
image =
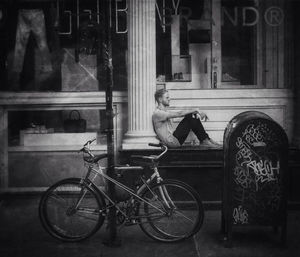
(96, 158)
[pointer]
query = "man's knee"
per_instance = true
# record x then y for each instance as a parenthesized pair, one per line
(188, 116)
(193, 119)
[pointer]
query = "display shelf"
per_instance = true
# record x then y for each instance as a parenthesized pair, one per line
(56, 148)
(58, 100)
(54, 139)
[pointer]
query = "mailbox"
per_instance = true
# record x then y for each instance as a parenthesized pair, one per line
(255, 174)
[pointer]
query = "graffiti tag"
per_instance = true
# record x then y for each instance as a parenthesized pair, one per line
(264, 171)
(240, 216)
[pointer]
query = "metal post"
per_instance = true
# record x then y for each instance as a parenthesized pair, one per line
(112, 237)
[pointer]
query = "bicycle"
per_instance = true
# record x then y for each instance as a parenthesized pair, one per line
(73, 209)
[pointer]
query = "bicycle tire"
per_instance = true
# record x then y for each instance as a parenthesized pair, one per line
(64, 222)
(179, 216)
(199, 200)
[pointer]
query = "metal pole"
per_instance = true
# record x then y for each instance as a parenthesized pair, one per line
(112, 237)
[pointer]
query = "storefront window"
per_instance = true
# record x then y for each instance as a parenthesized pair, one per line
(58, 46)
(239, 37)
(173, 56)
(230, 43)
(66, 129)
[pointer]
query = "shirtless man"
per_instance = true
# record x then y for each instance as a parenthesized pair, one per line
(175, 137)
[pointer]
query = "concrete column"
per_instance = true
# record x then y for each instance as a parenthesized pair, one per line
(141, 73)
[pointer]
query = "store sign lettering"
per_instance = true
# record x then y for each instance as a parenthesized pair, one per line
(250, 16)
(246, 16)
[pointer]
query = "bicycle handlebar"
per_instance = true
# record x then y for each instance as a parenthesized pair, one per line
(162, 146)
(89, 142)
(86, 149)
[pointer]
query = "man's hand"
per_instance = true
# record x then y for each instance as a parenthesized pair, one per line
(200, 115)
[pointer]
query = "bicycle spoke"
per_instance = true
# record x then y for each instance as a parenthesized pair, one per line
(184, 216)
(181, 212)
(86, 217)
(68, 214)
(57, 198)
(88, 210)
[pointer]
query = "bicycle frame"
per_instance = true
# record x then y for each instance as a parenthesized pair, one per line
(100, 172)
(165, 205)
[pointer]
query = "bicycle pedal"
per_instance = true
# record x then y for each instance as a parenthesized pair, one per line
(131, 223)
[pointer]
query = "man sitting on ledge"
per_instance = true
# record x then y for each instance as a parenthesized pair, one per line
(175, 137)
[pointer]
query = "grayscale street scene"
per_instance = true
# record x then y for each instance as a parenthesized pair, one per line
(149, 128)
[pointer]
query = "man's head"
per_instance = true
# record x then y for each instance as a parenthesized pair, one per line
(162, 97)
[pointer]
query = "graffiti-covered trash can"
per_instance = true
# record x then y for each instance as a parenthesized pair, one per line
(255, 174)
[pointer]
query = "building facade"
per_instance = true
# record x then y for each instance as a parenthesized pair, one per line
(221, 56)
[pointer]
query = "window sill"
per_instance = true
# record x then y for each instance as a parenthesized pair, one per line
(53, 148)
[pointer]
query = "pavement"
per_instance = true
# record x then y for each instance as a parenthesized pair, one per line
(21, 234)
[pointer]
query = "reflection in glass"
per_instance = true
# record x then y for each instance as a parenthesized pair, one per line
(239, 34)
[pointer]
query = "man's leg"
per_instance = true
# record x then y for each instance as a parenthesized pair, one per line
(186, 125)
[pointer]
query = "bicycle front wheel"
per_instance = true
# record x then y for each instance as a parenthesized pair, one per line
(171, 212)
(71, 211)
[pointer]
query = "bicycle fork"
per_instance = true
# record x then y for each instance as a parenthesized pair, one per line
(166, 199)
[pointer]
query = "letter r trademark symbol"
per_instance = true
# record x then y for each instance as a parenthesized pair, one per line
(274, 16)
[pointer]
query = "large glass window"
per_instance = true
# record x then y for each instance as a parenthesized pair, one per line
(223, 43)
(54, 130)
(58, 45)
(173, 40)
(239, 35)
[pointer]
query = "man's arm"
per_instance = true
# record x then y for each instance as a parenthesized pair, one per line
(178, 114)
(196, 112)
(164, 115)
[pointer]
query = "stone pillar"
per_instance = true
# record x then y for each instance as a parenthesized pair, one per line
(141, 73)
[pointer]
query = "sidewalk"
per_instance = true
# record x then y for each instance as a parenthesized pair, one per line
(248, 242)
(21, 234)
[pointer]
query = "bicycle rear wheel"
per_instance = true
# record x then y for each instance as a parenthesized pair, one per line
(71, 211)
(173, 213)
